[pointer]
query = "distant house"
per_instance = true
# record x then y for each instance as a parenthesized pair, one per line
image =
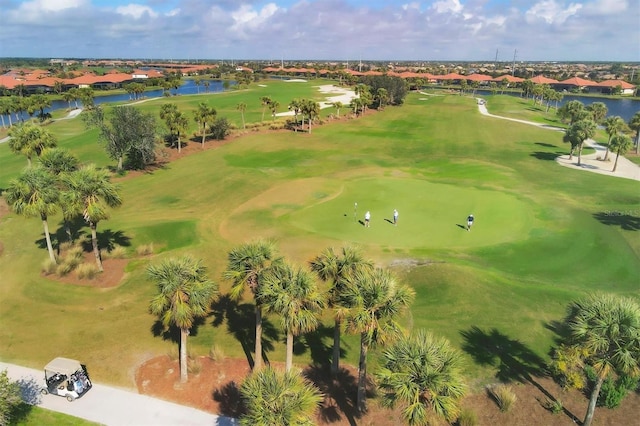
(574, 84)
(609, 86)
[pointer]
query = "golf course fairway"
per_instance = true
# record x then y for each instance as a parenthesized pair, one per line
(432, 215)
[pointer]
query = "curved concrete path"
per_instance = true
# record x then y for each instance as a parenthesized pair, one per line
(111, 406)
(626, 168)
(72, 114)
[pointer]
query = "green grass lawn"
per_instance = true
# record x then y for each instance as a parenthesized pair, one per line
(544, 235)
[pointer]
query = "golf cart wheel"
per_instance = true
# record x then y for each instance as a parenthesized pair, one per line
(44, 391)
(70, 398)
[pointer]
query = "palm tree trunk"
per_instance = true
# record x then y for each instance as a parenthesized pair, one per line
(120, 161)
(289, 361)
(606, 153)
(244, 126)
(258, 350)
(204, 130)
(362, 375)
(335, 363)
(47, 236)
(183, 355)
(179, 143)
(615, 164)
(94, 243)
(588, 418)
(579, 153)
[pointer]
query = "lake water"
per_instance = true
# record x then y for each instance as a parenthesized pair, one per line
(623, 107)
(188, 88)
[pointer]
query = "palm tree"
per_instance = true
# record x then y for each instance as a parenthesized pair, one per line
(29, 139)
(273, 107)
(612, 125)
(375, 302)
(620, 144)
(242, 107)
(338, 105)
(573, 111)
(91, 189)
(60, 162)
(184, 294)
(579, 132)
(291, 293)
(247, 266)
(424, 374)
(265, 101)
(202, 115)
(311, 109)
(335, 269)
(74, 92)
(598, 111)
(605, 329)
(5, 109)
(35, 193)
(382, 95)
(278, 399)
(634, 124)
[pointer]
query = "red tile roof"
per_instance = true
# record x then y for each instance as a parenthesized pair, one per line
(616, 83)
(510, 78)
(577, 81)
(540, 79)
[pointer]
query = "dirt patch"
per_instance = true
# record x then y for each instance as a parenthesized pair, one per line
(111, 276)
(214, 388)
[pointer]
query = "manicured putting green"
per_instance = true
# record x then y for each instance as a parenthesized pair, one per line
(431, 215)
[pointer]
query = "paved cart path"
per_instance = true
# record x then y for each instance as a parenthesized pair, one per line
(111, 406)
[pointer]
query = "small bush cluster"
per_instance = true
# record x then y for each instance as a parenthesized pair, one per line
(216, 353)
(553, 405)
(613, 390)
(504, 397)
(118, 252)
(467, 418)
(87, 270)
(144, 249)
(194, 366)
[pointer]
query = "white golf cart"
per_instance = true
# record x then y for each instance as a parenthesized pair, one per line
(65, 377)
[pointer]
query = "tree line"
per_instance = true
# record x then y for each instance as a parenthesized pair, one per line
(418, 371)
(584, 121)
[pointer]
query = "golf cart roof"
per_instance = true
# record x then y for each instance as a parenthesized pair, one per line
(63, 365)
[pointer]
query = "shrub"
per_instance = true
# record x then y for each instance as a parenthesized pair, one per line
(194, 366)
(87, 270)
(216, 353)
(220, 128)
(467, 418)
(49, 266)
(74, 252)
(67, 265)
(553, 405)
(144, 249)
(612, 391)
(118, 252)
(504, 397)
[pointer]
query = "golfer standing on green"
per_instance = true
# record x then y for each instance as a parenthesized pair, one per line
(367, 219)
(395, 216)
(469, 222)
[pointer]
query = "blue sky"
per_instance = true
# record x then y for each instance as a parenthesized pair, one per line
(553, 30)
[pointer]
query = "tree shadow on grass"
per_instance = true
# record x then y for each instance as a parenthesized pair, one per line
(320, 345)
(172, 333)
(339, 393)
(241, 323)
(547, 156)
(624, 219)
(107, 240)
(513, 359)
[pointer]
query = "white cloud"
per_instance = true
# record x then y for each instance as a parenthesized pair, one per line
(607, 7)
(55, 5)
(174, 12)
(444, 6)
(551, 12)
(136, 11)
